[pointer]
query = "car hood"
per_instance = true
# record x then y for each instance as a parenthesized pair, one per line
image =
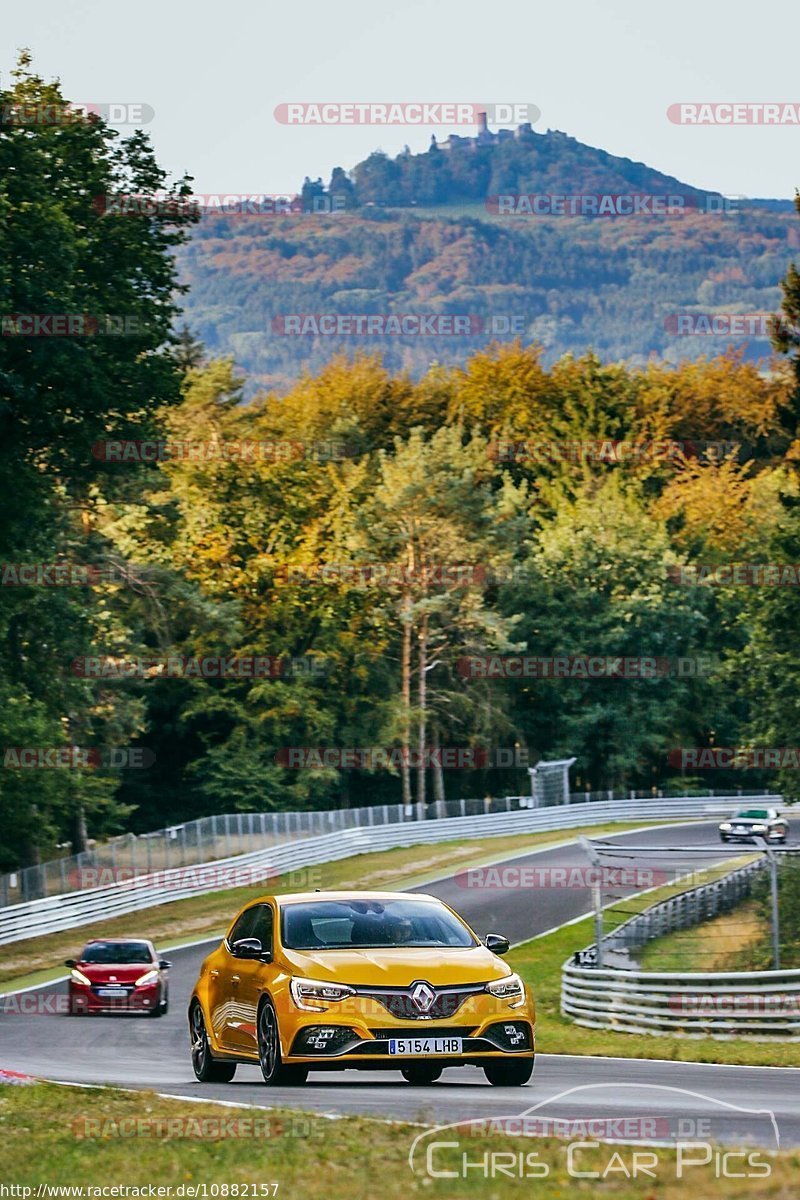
(114, 972)
(398, 966)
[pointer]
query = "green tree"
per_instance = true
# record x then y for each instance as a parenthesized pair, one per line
(111, 282)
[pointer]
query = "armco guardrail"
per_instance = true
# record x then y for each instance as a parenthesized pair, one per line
(69, 911)
(751, 1004)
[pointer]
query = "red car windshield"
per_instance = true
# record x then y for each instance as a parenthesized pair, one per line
(117, 953)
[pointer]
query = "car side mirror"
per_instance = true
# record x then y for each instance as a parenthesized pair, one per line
(70, 962)
(164, 964)
(247, 948)
(497, 943)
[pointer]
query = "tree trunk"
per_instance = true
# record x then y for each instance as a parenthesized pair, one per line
(78, 834)
(438, 776)
(422, 700)
(405, 694)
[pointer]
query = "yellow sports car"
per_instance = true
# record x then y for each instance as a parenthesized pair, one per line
(371, 980)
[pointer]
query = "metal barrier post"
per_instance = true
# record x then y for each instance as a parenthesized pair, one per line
(597, 897)
(775, 913)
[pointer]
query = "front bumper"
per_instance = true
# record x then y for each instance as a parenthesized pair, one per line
(770, 835)
(86, 1000)
(342, 1046)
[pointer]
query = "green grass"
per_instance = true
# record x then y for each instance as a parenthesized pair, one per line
(38, 960)
(308, 1157)
(735, 941)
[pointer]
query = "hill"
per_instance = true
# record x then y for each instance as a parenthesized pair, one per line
(503, 231)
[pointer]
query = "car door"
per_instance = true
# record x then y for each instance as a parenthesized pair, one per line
(248, 977)
(225, 976)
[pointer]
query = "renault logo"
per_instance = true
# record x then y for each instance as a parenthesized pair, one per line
(423, 996)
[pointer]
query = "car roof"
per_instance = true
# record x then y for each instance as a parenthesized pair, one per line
(107, 940)
(350, 894)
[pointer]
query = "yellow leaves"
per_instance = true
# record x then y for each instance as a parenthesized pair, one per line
(719, 506)
(724, 397)
(500, 386)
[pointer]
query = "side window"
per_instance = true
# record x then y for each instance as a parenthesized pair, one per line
(262, 926)
(244, 926)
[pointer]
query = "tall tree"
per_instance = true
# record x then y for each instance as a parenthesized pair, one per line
(87, 300)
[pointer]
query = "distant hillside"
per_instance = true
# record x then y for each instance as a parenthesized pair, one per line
(418, 236)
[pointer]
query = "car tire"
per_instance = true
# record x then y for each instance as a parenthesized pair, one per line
(421, 1074)
(514, 1073)
(206, 1068)
(274, 1071)
(162, 1008)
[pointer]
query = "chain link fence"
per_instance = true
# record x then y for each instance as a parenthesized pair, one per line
(209, 838)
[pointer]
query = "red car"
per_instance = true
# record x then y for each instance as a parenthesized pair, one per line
(118, 975)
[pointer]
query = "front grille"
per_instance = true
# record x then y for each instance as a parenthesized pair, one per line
(400, 1002)
(461, 1031)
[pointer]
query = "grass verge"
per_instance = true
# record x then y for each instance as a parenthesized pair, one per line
(737, 940)
(51, 1135)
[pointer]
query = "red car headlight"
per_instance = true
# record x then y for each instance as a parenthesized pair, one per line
(148, 977)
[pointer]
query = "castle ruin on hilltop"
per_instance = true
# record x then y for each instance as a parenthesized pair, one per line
(484, 136)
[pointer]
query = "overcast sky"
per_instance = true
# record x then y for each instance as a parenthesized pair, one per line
(604, 71)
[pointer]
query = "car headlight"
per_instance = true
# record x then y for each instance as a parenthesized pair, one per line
(725, 825)
(510, 987)
(758, 829)
(314, 995)
(79, 977)
(148, 977)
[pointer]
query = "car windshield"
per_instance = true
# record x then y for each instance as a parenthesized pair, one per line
(351, 924)
(117, 952)
(755, 814)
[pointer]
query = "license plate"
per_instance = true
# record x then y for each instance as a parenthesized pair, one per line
(118, 993)
(411, 1046)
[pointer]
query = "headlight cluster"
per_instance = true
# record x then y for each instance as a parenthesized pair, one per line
(148, 977)
(314, 996)
(509, 988)
(759, 828)
(79, 977)
(725, 825)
